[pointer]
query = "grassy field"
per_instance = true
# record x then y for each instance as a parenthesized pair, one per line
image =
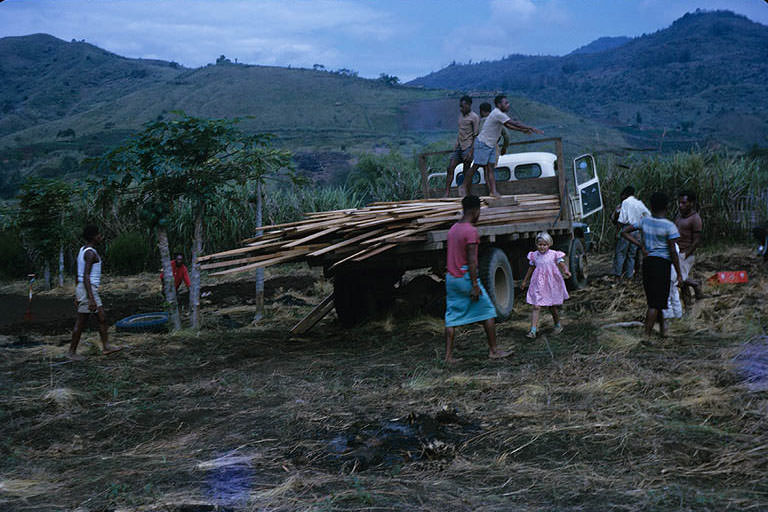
(244, 417)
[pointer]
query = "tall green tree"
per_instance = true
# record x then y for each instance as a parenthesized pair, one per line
(193, 159)
(45, 223)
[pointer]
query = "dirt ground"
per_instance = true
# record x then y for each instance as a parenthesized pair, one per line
(244, 417)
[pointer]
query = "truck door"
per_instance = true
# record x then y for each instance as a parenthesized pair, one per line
(587, 185)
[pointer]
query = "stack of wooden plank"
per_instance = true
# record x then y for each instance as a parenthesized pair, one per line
(354, 235)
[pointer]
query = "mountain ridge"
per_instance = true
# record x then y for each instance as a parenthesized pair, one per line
(66, 102)
(688, 77)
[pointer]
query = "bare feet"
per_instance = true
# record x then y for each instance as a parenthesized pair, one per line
(74, 356)
(499, 354)
(111, 349)
(452, 360)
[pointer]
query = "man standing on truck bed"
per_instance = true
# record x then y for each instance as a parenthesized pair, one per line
(484, 152)
(503, 143)
(466, 300)
(469, 124)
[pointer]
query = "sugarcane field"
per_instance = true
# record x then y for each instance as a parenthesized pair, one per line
(534, 279)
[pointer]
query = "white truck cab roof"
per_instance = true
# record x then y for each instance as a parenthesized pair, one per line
(513, 167)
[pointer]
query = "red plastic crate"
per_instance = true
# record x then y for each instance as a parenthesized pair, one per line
(729, 277)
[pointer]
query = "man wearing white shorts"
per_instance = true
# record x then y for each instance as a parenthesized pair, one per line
(87, 293)
(689, 225)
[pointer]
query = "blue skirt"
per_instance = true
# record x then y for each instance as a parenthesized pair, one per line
(460, 308)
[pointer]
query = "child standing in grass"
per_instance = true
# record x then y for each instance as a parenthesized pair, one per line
(547, 284)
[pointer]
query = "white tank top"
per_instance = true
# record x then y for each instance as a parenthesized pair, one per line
(95, 268)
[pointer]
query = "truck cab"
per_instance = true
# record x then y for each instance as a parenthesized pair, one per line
(516, 170)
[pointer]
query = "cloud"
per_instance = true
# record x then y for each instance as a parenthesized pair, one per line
(512, 27)
(520, 8)
(195, 32)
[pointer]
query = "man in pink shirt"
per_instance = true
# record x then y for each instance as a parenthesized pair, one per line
(466, 300)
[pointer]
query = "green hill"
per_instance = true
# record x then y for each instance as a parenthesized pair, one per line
(65, 102)
(702, 80)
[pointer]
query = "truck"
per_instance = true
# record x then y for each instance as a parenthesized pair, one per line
(368, 287)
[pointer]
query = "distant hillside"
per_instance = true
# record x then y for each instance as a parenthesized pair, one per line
(703, 79)
(66, 102)
(43, 78)
(602, 44)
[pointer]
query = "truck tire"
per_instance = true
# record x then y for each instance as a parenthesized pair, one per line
(358, 297)
(145, 322)
(346, 301)
(577, 263)
(496, 276)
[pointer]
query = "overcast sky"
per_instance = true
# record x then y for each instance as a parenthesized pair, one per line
(407, 38)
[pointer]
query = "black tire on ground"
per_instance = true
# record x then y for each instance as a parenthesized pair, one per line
(145, 322)
(577, 263)
(496, 276)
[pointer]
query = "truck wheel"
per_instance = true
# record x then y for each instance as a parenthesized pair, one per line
(358, 297)
(577, 261)
(346, 301)
(496, 275)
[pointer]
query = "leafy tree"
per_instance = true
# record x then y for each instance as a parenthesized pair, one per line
(44, 222)
(190, 159)
(389, 177)
(390, 80)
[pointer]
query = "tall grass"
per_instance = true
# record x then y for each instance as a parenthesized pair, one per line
(721, 182)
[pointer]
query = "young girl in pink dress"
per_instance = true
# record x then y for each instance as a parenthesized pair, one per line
(547, 283)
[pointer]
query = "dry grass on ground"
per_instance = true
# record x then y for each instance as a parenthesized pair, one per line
(371, 419)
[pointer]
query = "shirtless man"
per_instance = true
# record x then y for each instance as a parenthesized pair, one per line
(689, 225)
(484, 152)
(87, 293)
(469, 124)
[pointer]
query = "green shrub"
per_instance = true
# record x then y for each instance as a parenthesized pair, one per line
(130, 253)
(389, 177)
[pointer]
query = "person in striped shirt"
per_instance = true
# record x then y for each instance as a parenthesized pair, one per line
(658, 246)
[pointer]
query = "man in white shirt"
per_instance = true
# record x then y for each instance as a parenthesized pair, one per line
(629, 213)
(485, 144)
(87, 298)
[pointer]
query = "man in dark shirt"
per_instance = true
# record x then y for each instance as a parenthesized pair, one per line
(689, 225)
(469, 123)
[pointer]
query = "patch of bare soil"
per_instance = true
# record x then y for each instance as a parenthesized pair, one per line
(370, 418)
(55, 313)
